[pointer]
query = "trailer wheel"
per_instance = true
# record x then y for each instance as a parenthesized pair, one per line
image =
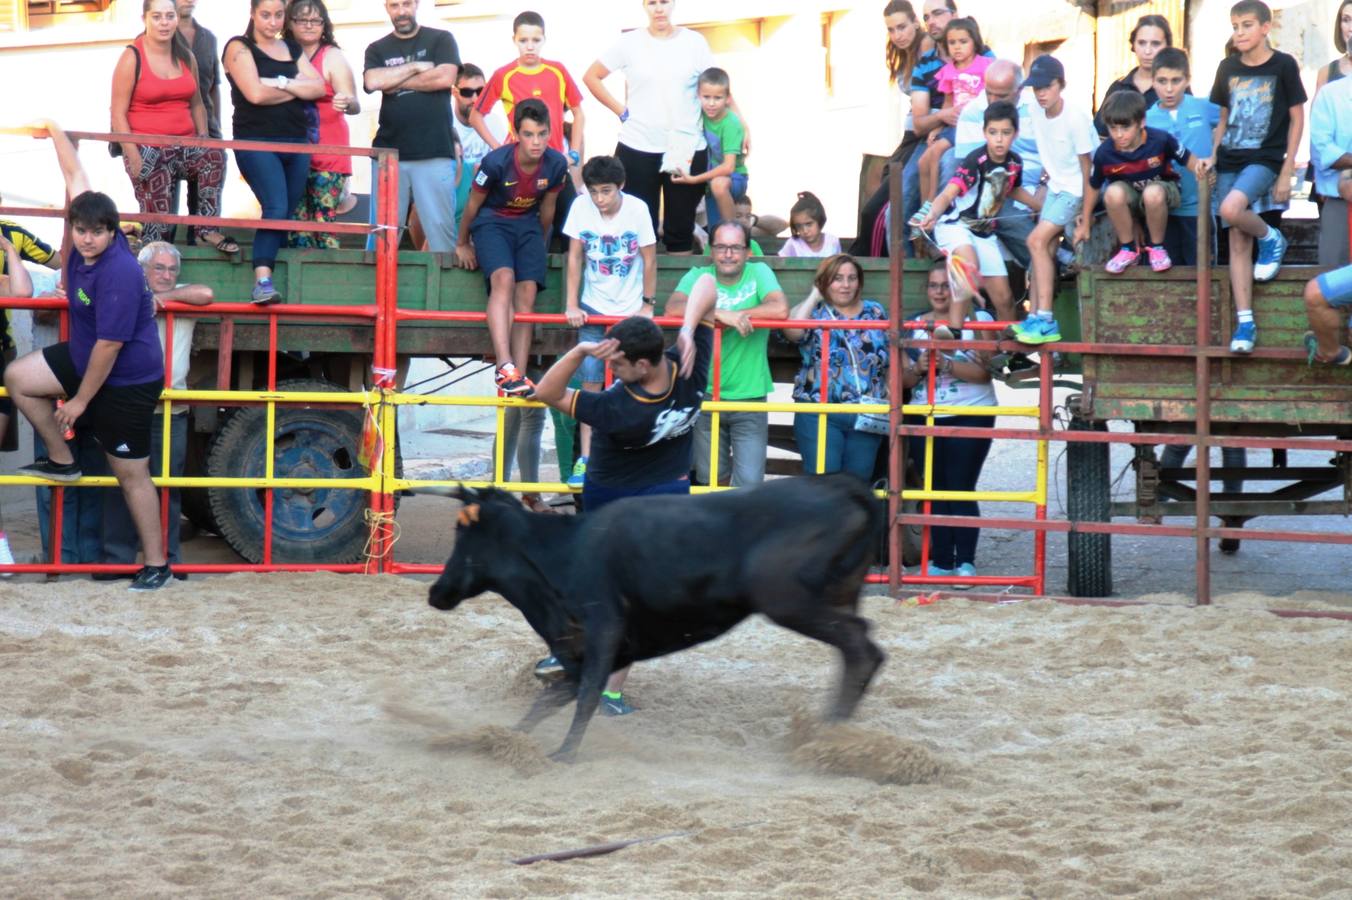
(1089, 557)
(310, 525)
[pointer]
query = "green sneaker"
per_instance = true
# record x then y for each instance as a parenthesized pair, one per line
(579, 476)
(1037, 330)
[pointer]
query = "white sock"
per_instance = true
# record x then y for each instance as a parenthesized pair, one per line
(1045, 314)
(1244, 315)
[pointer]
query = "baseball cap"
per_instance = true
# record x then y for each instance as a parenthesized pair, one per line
(1044, 70)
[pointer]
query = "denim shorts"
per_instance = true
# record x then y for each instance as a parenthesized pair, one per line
(1060, 208)
(1336, 286)
(1253, 181)
(592, 370)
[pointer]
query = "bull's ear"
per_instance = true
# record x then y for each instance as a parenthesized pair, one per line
(469, 514)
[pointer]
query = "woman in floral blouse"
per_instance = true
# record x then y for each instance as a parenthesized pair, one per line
(857, 369)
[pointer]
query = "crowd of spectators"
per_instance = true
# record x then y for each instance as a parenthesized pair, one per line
(1003, 177)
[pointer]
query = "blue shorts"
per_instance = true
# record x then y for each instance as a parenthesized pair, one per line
(949, 134)
(1336, 286)
(1060, 208)
(592, 370)
(595, 496)
(515, 243)
(711, 213)
(1253, 181)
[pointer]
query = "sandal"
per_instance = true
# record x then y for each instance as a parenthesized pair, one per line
(223, 243)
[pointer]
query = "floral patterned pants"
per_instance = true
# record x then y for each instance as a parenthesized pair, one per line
(323, 191)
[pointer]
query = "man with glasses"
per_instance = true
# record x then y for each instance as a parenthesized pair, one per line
(161, 263)
(414, 69)
(469, 86)
(745, 293)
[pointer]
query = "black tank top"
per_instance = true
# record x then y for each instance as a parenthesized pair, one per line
(285, 121)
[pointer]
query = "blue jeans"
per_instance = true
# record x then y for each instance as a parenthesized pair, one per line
(957, 467)
(595, 496)
(120, 540)
(278, 181)
(742, 441)
(847, 448)
(81, 507)
(711, 214)
(910, 193)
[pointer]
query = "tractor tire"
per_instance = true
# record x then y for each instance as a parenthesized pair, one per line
(1089, 557)
(319, 525)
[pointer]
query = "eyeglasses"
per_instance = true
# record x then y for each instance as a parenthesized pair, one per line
(726, 249)
(469, 92)
(938, 286)
(309, 23)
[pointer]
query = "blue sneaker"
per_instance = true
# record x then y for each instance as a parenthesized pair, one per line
(264, 292)
(1269, 257)
(549, 669)
(1037, 330)
(614, 704)
(940, 571)
(579, 476)
(1246, 333)
(967, 570)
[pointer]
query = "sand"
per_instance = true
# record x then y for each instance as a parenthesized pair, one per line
(258, 735)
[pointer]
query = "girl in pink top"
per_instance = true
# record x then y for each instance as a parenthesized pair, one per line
(807, 220)
(154, 92)
(308, 24)
(961, 81)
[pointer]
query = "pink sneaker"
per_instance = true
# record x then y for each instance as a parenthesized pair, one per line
(1159, 259)
(1121, 261)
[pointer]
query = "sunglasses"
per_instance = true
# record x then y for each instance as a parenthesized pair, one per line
(469, 92)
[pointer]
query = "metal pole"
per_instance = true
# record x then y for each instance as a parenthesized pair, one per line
(896, 446)
(1203, 389)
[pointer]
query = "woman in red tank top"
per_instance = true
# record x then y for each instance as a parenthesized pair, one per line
(308, 24)
(155, 92)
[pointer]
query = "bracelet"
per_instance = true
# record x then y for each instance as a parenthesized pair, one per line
(624, 116)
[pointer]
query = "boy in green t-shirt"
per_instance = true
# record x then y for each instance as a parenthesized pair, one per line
(745, 292)
(725, 134)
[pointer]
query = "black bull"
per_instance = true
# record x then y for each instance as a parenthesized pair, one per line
(648, 576)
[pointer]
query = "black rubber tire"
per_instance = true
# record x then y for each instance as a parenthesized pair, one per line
(324, 525)
(196, 502)
(1089, 557)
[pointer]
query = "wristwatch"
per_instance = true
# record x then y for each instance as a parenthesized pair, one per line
(649, 301)
(282, 82)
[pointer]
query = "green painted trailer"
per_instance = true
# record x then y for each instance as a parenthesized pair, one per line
(1155, 394)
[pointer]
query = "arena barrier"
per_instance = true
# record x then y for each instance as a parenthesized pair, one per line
(381, 401)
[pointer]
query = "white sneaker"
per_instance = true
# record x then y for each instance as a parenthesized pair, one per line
(6, 556)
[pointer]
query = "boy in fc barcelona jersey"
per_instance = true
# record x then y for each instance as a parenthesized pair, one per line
(509, 217)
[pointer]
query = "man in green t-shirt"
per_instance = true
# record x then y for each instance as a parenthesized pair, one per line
(745, 292)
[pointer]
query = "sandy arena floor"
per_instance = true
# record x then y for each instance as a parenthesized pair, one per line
(328, 735)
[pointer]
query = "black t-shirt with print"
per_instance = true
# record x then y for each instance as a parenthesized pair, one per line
(1258, 101)
(986, 184)
(640, 439)
(416, 123)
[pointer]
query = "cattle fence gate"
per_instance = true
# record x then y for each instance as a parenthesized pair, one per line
(907, 506)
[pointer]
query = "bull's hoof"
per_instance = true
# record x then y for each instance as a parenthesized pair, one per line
(568, 757)
(549, 670)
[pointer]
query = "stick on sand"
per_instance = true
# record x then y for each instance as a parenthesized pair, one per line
(603, 849)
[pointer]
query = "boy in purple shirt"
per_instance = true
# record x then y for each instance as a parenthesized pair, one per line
(111, 370)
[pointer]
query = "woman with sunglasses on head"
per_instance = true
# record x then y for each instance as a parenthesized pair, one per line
(308, 24)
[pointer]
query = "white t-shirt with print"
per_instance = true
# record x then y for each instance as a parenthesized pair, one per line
(1060, 141)
(612, 275)
(951, 391)
(472, 147)
(661, 85)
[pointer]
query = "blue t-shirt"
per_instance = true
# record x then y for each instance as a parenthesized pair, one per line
(1192, 124)
(512, 194)
(1152, 161)
(641, 439)
(109, 300)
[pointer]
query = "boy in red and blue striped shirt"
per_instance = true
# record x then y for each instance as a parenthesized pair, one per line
(1137, 165)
